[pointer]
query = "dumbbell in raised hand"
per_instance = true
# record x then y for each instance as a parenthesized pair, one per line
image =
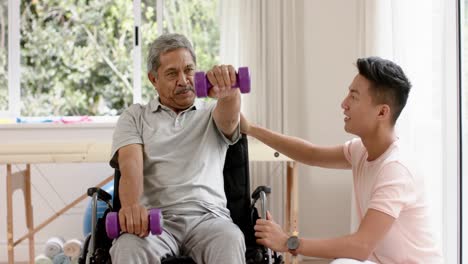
(203, 85)
(155, 222)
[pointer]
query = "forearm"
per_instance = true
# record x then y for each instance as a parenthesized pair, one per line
(227, 113)
(131, 182)
(343, 247)
(293, 147)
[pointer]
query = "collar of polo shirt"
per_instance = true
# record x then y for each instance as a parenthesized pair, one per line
(155, 104)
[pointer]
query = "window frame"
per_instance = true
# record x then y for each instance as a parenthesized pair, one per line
(14, 59)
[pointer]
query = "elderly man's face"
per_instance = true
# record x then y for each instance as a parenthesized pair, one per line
(174, 81)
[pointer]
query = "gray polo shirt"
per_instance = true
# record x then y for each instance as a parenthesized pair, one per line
(183, 156)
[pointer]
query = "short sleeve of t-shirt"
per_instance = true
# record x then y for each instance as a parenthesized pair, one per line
(126, 132)
(350, 150)
(393, 190)
(235, 137)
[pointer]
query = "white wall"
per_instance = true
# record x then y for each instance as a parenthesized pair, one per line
(330, 45)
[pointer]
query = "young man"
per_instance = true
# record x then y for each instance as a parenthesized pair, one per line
(171, 156)
(394, 221)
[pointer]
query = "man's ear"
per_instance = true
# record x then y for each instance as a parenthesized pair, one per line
(152, 78)
(384, 112)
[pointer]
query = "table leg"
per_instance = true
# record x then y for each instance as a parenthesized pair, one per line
(287, 222)
(291, 204)
(9, 193)
(292, 172)
(29, 211)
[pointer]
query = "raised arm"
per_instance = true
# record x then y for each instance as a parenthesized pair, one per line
(227, 110)
(133, 216)
(298, 149)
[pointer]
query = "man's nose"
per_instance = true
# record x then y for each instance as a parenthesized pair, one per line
(343, 104)
(183, 79)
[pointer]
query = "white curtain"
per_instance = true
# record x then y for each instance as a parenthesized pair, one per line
(417, 35)
(259, 34)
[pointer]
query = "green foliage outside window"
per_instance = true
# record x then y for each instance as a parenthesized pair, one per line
(3, 55)
(76, 55)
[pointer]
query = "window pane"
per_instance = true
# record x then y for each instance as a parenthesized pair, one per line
(196, 19)
(3, 55)
(149, 32)
(76, 57)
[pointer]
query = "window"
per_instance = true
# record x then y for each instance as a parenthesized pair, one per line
(81, 57)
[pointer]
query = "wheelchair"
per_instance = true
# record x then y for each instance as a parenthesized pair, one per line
(241, 204)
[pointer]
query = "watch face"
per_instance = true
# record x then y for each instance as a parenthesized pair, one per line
(293, 243)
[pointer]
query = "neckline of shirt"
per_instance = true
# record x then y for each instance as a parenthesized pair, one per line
(382, 156)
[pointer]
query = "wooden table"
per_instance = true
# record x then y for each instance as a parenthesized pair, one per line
(96, 152)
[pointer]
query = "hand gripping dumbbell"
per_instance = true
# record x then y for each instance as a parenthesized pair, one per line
(203, 85)
(155, 222)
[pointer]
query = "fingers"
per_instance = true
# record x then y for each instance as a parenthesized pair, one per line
(264, 237)
(129, 221)
(268, 216)
(266, 221)
(134, 220)
(232, 75)
(226, 76)
(261, 226)
(222, 76)
(263, 242)
(126, 220)
(144, 222)
(122, 221)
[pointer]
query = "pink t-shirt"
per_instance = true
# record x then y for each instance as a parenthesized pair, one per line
(387, 184)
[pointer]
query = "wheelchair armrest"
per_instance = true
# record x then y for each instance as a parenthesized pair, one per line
(256, 193)
(102, 195)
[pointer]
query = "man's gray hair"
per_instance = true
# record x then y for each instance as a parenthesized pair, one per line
(166, 43)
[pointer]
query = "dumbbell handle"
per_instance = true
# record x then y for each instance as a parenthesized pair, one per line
(155, 222)
(203, 85)
(202, 76)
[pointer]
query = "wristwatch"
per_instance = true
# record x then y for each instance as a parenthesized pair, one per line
(293, 244)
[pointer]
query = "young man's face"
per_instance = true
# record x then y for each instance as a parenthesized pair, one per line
(361, 114)
(174, 81)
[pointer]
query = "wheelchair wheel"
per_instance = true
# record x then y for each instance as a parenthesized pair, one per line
(99, 256)
(84, 252)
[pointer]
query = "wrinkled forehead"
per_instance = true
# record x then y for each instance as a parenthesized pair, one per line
(178, 58)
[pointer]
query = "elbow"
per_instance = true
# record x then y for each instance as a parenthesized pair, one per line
(229, 127)
(363, 251)
(360, 247)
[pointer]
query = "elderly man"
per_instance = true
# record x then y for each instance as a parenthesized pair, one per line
(171, 156)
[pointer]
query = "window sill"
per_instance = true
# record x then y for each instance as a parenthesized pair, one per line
(92, 122)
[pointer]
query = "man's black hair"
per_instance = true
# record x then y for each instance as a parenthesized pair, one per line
(389, 83)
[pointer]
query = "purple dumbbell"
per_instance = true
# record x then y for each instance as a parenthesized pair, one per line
(203, 85)
(155, 222)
